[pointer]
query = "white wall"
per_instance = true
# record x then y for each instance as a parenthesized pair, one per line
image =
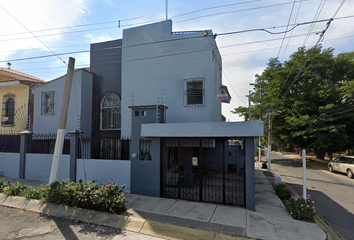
(80, 103)
(10, 164)
(146, 73)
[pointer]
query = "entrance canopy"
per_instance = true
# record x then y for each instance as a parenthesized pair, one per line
(207, 129)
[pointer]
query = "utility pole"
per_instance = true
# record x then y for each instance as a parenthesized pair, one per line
(269, 140)
(54, 172)
(249, 105)
(260, 138)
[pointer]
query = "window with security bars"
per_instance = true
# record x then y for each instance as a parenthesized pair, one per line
(111, 112)
(111, 149)
(145, 146)
(8, 113)
(47, 103)
(194, 92)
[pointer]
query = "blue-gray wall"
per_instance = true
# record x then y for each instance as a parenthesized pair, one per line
(250, 175)
(10, 164)
(38, 168)
(150, 68)
(145, 175)
(80, 103)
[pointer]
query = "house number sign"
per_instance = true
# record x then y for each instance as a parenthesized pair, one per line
(194, 161)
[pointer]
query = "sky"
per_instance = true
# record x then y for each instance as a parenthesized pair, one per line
(32, 29)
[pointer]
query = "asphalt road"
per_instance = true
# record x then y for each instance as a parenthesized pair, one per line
(332, 192)
(21, 224)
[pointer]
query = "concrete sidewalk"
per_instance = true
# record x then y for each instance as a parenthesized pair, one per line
(179, 219)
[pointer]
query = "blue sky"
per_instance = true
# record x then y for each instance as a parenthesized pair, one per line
(243, 54)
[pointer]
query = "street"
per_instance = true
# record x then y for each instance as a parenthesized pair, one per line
(21, 224)
(332, 192)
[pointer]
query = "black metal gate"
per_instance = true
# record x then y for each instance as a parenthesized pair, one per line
(203, 169)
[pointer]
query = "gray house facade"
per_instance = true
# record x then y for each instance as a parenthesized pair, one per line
(181, 70)
(48, 101)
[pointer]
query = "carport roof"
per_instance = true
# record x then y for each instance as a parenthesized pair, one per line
(207, 129)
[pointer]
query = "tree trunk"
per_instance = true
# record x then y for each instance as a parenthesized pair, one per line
(330, 155)
(320, 154)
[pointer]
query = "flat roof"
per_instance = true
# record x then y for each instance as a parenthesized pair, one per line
(206, 129)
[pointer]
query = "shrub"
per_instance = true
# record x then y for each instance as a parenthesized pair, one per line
(107, 198)
(283, 191)
(14, 189)
(300, 208)
(32, 193)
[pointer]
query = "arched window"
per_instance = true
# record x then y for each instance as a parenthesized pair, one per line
(110, 112)
(10, 111)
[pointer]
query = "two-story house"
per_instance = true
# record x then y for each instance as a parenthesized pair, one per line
(17, 104)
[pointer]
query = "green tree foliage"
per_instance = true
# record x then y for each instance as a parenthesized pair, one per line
(314, 110)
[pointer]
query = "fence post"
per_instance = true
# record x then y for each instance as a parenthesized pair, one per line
(74, 152)
(24, 137)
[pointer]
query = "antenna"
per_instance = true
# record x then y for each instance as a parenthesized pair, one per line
(157, 111)
(164, 103)
(131, 115)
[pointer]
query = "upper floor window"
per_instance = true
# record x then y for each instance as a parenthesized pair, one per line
(47, 103)
(194, 92)
(110, 112)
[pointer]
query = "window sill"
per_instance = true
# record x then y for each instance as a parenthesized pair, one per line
(7, 125)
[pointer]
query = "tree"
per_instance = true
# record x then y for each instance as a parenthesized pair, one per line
(311, 108)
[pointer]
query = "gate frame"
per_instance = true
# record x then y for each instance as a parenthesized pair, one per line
(247, 130)
(200, 162)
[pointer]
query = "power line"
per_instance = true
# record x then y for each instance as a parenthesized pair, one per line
(291, 34)
(33, 34)
(291, 13)
(221, 6)
(317, 14)
(303, 65)
(242, 10)
(74, 26)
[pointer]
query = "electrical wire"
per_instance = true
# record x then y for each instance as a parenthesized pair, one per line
(291, 13)
(221, 6)
(291, 34)
(75, 26)
(33, 34)
(242, 10)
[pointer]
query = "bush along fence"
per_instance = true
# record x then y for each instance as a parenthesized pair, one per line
(298, 207)
(88, 195)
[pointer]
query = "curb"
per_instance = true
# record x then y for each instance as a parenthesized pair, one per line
(331, 233)
(129, 223)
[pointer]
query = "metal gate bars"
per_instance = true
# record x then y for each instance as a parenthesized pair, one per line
(203, 169)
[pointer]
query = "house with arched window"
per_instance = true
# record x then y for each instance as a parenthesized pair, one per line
(17, 104)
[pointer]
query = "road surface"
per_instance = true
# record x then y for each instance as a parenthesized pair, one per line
(20, 224)
(333, 193)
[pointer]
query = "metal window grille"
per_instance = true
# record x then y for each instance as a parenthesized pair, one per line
(111, 112)
(111, 149)
(47, 103)
(9, 116)
(145, 146)
(194, 92)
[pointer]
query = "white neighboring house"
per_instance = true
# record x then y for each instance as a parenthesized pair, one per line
(48, 101)
(181, 70)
